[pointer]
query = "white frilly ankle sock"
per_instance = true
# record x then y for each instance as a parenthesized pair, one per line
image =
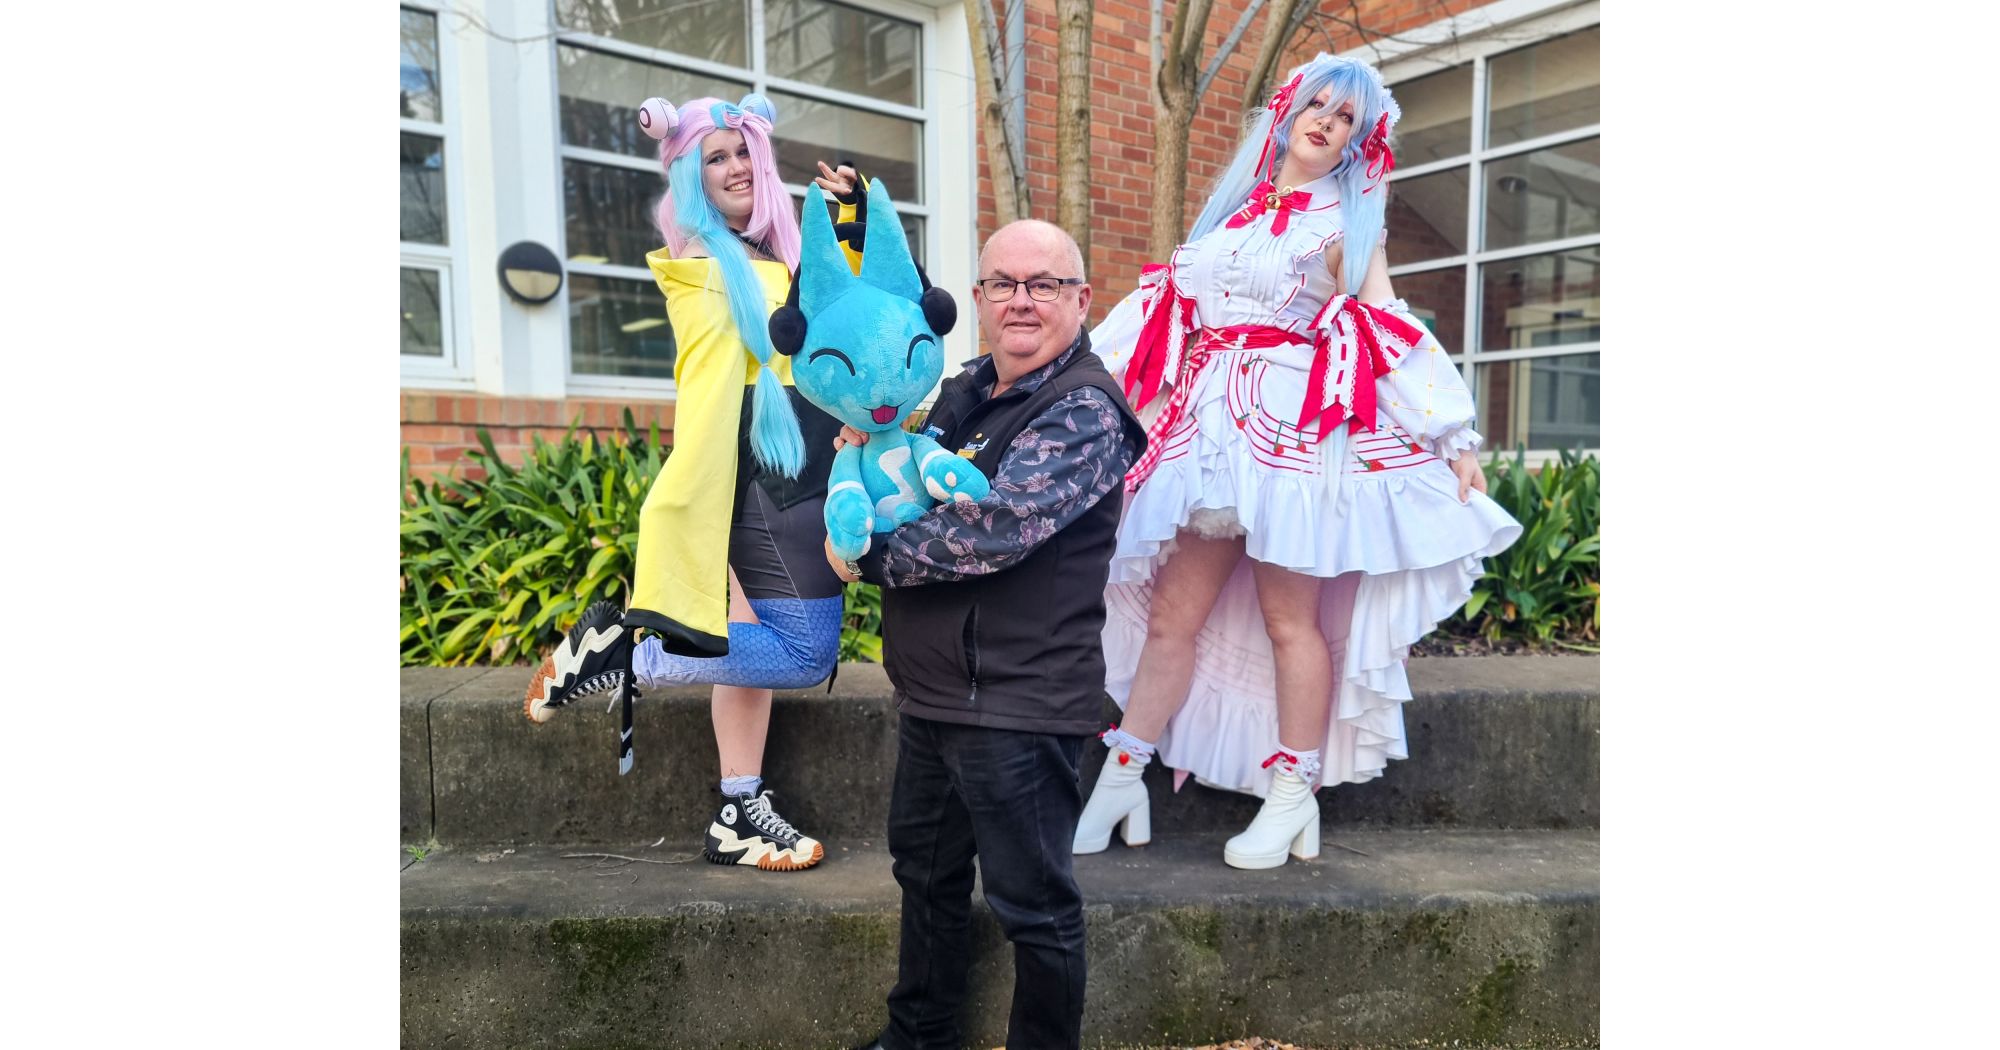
(1140, 750)
(1303, 763)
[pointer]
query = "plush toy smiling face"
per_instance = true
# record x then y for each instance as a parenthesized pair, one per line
(871, 350)
(868, 358)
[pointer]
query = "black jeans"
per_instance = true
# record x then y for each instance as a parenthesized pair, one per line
(1011, 799)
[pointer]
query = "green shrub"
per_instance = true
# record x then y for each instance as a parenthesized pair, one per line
(496, 569)
(1543, 589)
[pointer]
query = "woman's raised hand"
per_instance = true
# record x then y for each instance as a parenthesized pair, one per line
(837, 181)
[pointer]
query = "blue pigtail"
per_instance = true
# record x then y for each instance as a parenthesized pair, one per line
(774, 428)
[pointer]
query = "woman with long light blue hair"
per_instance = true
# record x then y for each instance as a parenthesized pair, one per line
(1310, 501)
(730, 584)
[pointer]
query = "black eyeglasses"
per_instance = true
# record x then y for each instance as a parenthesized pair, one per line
(1040, 289)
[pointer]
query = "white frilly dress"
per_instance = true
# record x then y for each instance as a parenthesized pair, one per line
(1231, 329)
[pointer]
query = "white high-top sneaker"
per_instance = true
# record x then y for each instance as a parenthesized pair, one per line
(1119, 799)
(1290, 817)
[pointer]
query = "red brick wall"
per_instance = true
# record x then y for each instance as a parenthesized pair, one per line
(1121, 115)
(438, 428)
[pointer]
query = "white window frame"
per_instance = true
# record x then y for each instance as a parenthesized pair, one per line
(453, 371)
(925, 116)
(1475, 37)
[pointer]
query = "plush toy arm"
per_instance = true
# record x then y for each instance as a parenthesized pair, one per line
(850, 514)
(947, 477)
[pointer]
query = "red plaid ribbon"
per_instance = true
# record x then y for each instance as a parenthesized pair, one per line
(1381, 338)
(1209, 342)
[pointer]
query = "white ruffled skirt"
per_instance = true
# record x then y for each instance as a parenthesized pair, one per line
(1377, 504)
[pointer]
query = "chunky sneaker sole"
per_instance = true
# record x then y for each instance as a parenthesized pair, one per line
(588, 661)
(723, 847)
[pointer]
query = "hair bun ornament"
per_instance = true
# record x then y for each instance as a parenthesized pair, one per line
(758, 104)
(658, 118)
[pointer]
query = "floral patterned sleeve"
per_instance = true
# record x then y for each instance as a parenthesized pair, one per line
(1058, 467)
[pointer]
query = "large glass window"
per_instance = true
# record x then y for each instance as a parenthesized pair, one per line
(427, 249)
(1506, 145)
(846, 83)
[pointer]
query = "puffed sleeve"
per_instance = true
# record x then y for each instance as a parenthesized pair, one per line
(1424, 394)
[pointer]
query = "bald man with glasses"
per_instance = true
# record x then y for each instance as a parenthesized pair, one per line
(992, 613)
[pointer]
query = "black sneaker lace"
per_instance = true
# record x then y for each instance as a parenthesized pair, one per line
(761, 814)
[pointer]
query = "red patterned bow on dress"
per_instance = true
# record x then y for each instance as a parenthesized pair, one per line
(1162, 336)
(1209, 342)
(1380, 339)
(1267, 198)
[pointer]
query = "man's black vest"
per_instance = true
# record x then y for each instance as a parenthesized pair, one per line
(1020, 648)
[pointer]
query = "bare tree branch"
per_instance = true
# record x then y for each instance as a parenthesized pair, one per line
(1228, 45)
(1279, 29)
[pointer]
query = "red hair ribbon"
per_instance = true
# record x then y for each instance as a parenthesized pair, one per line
(1376, 149)
(1352, 392)
(1265, 197)
(1281, 104)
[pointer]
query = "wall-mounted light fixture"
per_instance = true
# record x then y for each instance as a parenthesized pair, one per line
(530, 272)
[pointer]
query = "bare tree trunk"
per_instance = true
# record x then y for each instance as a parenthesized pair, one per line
(1010, 184)
(1174, 88)
(1073, 24)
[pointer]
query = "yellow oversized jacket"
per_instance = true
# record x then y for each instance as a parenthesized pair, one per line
(680, 586)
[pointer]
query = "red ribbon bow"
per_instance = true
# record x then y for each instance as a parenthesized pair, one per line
(1372, 362)
(1281, 104)
(1267, 198)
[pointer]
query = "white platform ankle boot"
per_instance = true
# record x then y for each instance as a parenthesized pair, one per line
(1289, 822)
(1119, 799)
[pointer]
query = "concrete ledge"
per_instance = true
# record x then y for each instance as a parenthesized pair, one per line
(1485, 937)
(1497, 742)
(421, 686)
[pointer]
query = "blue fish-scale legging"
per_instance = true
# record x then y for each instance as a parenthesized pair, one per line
(780, 559)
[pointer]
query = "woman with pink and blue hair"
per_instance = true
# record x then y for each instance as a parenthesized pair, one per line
(1310, 501)
(730, 585)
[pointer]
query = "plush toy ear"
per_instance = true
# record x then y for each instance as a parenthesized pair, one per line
(887, 264)
(823, 274)
(788, 323)
(940, 310)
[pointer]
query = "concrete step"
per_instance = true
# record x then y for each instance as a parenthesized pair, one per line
(1496, 742)
(1390, 939)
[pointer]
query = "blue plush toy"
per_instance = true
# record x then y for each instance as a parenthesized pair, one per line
(867, 352)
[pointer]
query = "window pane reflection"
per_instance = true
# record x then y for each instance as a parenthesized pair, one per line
(420, 67)
(1437, 297)
(1539, 402)
(1427, 216)
(618, 328)
(1543, 89)
(841, 47)
(718, 30)
(608, 213)
(1539, 300)
(882, 147)
(599, 97)
(423, 315)
(1437, 117)
(1542, 196)
(423, 189)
